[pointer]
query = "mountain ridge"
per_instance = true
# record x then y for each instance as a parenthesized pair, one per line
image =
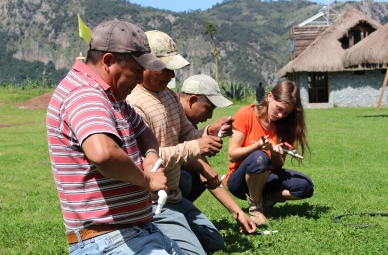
(252, 36)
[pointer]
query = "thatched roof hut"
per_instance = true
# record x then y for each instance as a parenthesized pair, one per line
(372, 52)
(326, 52)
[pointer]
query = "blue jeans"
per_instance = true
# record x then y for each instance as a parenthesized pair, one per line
(149, 240)
(189, 228)
(191, 185)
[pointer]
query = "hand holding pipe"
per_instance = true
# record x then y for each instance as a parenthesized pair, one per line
(222, 178)
(161, 193)
(220, 135)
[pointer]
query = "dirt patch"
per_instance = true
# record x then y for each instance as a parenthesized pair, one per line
(11, 125)
(40, 102)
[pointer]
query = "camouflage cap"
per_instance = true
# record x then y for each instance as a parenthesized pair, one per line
(165, 49)
(124, 37)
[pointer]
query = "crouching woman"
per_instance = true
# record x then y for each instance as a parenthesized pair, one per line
(256, 153)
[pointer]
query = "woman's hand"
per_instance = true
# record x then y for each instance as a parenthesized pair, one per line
(277, 156)
(277, 149)
(264, 143)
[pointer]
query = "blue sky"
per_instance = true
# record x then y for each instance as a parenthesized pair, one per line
(185, 5)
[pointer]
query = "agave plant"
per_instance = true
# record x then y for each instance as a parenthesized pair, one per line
(233, 89)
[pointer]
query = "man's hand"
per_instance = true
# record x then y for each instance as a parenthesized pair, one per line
(210, 177)
(157, 182)
(150, 161)
(157, 179)
(224, 124)
(209, 145)
(246, 223)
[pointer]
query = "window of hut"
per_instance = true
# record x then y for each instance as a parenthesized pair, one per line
(318, 87)
(355, 35)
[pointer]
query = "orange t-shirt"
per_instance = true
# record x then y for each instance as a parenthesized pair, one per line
(246, 121)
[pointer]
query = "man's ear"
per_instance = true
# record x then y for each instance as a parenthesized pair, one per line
(192, 99)
(108, 59)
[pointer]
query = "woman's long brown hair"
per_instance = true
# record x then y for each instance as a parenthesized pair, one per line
(291, 129)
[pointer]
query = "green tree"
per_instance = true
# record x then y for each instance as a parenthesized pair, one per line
(210, 29)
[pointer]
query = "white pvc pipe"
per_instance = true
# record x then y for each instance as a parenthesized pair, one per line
(295, 155)
(222, 179)
(157, 165)
(219, 134)
(161, 193)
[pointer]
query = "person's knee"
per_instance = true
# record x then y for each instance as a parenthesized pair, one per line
(308, 192)
(214, 246)
(209, 237)
(305, 189)
(216, 243)
(258, 162)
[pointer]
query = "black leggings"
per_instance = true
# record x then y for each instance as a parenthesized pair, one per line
(298, 184)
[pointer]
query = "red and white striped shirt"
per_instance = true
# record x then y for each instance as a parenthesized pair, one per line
(83, 105)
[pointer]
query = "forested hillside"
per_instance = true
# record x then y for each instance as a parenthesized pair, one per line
(252, 36)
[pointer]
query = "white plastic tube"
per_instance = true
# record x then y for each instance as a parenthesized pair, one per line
(293, 154)
(220, 135)
(161, 193)
(222, 179)
(157, 165)
(161, 201)
(267, 232)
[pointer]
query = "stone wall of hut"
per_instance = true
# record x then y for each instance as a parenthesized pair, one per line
(348, 90)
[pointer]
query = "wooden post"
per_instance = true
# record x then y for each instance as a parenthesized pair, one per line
(245, 94)
(383, 89)
(80, 57)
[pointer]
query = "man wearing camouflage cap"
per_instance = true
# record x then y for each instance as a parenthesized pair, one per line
(179, 143)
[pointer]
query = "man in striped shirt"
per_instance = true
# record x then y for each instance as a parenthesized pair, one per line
(179, 144)
(96, 141)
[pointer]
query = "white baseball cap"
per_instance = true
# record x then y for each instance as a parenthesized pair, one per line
(202, 84)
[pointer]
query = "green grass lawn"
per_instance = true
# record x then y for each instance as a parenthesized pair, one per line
(348, 166)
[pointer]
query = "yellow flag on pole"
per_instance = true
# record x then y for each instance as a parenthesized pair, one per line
(84, 31)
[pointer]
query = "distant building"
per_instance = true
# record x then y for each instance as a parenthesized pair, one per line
(371, 54)
(319, 72)
(302, 35)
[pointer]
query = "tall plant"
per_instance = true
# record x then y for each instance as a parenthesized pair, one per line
(211, 30)
(233, 89)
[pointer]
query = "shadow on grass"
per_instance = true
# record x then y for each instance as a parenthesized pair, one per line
(304, 210)
(235, 241)
(375, 116)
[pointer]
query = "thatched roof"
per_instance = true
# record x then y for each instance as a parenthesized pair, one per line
(325, 53)
(372, 50)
